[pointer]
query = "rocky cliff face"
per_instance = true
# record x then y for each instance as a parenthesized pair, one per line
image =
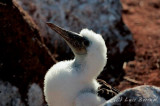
(23, 56)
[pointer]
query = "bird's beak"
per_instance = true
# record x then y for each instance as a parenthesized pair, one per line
(77, 43)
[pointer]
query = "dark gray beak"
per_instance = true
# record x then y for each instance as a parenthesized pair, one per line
(77, 43)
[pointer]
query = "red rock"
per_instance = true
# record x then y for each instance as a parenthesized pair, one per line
(23, 56)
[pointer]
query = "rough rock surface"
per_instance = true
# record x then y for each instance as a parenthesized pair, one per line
(139, 96)
(102, 16)
(35, 95)
(145, 68)
(23, 56)
(9, 95)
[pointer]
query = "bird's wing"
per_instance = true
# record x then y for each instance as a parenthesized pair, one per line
(105, 90)
(89, 99)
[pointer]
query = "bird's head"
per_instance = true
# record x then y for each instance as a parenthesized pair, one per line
(87, 42)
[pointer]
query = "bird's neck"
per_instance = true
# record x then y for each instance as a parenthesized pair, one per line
(90, 66)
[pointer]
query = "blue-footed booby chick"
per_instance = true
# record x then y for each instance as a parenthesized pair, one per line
(73, 82)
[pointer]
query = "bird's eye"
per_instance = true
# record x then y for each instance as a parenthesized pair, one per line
(86, 43)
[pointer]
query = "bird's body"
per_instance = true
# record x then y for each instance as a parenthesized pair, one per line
(73, 82)
(64, 84)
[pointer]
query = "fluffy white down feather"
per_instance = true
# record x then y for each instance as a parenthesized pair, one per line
(68, 83)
